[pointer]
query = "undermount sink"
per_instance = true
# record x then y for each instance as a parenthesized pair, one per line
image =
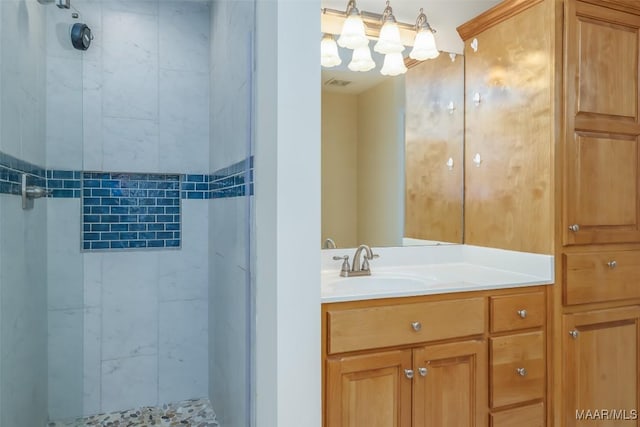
(376, 283)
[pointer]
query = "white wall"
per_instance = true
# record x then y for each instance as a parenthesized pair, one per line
(143, 314)
(231, 79)
(287, 214)
(23, 320)
(340, 168)
(381, 164)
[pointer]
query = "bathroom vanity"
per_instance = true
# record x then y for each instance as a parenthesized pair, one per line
(436, 336)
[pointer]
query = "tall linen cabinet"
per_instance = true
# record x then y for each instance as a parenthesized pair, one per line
(552, 166)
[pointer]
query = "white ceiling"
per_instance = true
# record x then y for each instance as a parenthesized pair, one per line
(443, 15)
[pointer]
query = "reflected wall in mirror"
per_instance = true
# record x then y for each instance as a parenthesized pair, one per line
(386, 144)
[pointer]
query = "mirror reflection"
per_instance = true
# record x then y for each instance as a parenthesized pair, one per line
(392, 155)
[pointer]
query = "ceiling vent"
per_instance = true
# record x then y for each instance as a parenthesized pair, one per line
(336, 82)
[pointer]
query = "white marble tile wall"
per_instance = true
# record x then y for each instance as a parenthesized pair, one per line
(23, 293)
(64, 93)
(133, 310)
(230, 75)
(146, 86)
(23, 315)
(230, 81)
(23, 80)
(145, 108)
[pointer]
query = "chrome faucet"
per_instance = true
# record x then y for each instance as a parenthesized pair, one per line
(329, 244)
(358, 268)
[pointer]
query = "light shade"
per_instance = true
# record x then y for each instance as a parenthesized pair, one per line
(329, 56)
(424, 46)
(352, 35)
(361, 59)
(393, 65)
(389, 38)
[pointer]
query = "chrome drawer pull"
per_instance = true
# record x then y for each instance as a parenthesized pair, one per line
(408, 373)
(612, 264)
(422, 372)
(574, 227)
(522, 372)
(574, 333)
(416, 326)
(522, 313)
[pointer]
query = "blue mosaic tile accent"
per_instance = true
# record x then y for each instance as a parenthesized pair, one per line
(232, 181)
(195, 186)
(130, 211)
(64, 184)
(11, 170)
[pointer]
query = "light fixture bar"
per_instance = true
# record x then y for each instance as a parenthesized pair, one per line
(333, 19)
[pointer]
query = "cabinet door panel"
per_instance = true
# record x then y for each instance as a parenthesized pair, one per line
(607, 68)
(453, 391)
(602, 189)
(601, 366)
(369, 390)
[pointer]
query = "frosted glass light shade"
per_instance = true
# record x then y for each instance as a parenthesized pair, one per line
(361, 59)
(352, 35)
(389, 39)
(329, 56)
(424, 46)
(393, 65)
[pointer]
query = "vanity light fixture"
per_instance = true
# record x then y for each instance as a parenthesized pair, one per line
(329, 56)
(424, 46)
(361, 59)
(389, 39)
(357, 28)
(352, 35)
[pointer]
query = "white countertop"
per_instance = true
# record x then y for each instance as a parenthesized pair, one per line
(412, 271)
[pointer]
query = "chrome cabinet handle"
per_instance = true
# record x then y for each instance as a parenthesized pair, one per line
(574, 227)
(522, 372)
(522, 313)
(422, 372)
(408, 373)
(612, 264)
(574, 333)
(416, 326)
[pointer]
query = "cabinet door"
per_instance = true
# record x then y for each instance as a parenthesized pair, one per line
(601, 368)
(602, 197)
(369, 390)
(450, 387)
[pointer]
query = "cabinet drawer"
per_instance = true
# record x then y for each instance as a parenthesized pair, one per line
(392, 325)
(527, 416)
(511, 312)
(602, 276)
(517, 368)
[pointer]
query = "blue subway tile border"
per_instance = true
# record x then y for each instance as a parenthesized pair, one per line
(129, 211)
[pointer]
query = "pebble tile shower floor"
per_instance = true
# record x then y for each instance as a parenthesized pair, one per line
(192, 413)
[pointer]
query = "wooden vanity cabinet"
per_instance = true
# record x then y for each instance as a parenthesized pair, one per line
(556, 127)
(424, 361)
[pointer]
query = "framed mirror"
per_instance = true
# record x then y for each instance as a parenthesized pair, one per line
(392, 152)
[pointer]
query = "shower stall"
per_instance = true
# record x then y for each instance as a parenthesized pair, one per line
(126, 281)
